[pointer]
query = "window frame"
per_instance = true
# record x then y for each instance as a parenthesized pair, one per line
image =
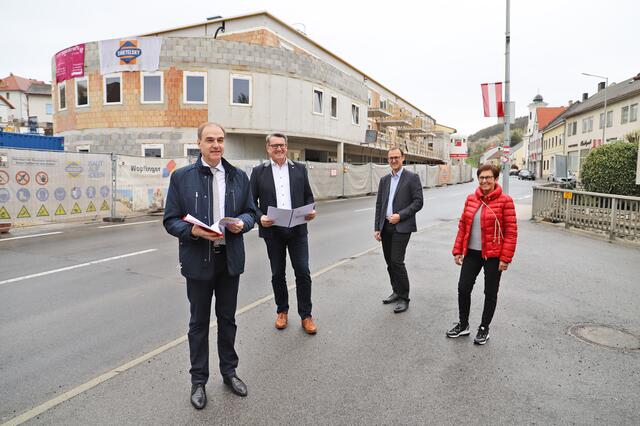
(247, 77)
(313, 101)
(77, 80)
(104, 88)
(152, 146)
(633, 112)
(623, 119)
(187, 146)
(185, 76)
(357, 122)
(62, 86)
(144, 74)
(331, 98)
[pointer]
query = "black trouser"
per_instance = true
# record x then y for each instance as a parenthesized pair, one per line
(471, 266)
(394, 247)
(225, 288)
(298, 245)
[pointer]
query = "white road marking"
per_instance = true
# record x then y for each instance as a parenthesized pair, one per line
(524, 198)
(80, 265)
(346, 199)
(30, 236)
(128, 224)
(363, 210)
(36, 411)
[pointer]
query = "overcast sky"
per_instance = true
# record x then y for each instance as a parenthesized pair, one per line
(435, 54)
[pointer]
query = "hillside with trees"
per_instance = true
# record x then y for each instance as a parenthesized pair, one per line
(492, 136)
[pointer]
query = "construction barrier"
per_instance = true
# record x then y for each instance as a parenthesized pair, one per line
(52, 186)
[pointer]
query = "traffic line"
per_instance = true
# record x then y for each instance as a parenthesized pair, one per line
(36, 411)
(128, 224)
(80, 265)
(30, 236)
(363, 210)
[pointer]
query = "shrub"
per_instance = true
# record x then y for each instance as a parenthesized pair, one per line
(611, 169)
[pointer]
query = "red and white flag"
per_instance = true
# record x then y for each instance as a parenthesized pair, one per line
(492, 99)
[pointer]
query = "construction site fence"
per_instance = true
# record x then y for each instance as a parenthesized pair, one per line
(38, 187)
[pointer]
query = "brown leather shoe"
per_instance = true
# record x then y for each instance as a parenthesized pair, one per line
(282, 320)
(309, 326)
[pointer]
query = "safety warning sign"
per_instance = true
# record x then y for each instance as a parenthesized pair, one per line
(22, 177)
(91, 207)
(23, 213)
(105, 206)
(76, 209)
(43, 211)
(60, 211)
(4, 214)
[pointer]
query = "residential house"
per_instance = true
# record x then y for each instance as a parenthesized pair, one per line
(529, 138)
(586, 124)
(30, 98)
(544, 116)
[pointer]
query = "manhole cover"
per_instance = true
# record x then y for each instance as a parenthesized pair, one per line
(606, 336)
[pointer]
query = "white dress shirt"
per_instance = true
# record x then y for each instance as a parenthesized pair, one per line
(220, 177)
(281, 182)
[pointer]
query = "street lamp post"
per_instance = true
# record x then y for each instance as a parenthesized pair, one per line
(604, 119)
(507, 107)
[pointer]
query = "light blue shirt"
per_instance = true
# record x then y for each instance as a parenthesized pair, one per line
(392, 190)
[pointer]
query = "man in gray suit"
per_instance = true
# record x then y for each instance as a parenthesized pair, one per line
(399, 199)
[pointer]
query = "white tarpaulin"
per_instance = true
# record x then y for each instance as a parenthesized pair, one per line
(130, 54)
(357, 179)
(50, 186)
(432, 176)
(142, 183)
(325, 179)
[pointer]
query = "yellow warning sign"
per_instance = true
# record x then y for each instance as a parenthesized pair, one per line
(4, 214)
(104, 206)
(60, 211)
(76, 209)
(91, 207)
(23, 213)
(43, 211)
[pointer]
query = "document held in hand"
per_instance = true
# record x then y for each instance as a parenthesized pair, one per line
(216, 228)
(289, 218)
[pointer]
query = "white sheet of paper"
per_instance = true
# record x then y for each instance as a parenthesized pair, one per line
(213, 228)
(289, 218)
(280, 217)
(300, 213)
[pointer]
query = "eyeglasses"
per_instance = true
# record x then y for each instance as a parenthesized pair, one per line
(485, 178)
(278, 146)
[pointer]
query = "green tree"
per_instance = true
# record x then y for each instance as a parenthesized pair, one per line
(611, 169)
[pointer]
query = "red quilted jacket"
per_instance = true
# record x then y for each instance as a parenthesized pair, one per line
(498, 224)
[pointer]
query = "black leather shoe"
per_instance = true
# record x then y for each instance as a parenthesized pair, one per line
(237, 386)
(198, 396)
(392, 298)
(401, 306)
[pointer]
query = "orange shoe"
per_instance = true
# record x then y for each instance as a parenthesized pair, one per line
(309, 326)
(282, 320)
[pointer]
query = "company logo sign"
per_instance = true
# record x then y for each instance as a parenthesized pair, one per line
(168, 169)
(128, 52)
(73, 169)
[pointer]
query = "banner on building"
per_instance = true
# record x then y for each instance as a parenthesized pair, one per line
(492, 99)
(70, 63)
(131, 54)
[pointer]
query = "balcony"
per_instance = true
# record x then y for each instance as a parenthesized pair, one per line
(378, 113)
(395, 122)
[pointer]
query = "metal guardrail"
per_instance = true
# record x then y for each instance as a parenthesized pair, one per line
(615, 215)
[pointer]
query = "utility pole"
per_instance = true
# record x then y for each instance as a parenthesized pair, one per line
(507, 108)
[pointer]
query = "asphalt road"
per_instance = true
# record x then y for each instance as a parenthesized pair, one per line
(85, 299)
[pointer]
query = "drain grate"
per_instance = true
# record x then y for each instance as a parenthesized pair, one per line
(604, 335)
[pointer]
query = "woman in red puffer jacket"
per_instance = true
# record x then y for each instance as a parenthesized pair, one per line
(487, 234)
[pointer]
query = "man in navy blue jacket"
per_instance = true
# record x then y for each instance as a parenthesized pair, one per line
(209, 190)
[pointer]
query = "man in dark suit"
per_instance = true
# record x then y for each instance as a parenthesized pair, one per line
(209, 190)
(399, 199)
(282, 183)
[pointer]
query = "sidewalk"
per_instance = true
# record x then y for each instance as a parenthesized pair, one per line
(368, 365)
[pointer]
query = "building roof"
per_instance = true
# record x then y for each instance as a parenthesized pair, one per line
(560, 118)
(39, 88)
(538, 98)
(16, 83)
(301, 34)
(615, 93)
(545, 115)
(442, 127)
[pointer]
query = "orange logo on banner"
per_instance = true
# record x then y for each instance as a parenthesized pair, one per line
(128, 52)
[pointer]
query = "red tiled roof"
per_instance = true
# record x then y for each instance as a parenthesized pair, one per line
(547, 114)
(13, 82)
